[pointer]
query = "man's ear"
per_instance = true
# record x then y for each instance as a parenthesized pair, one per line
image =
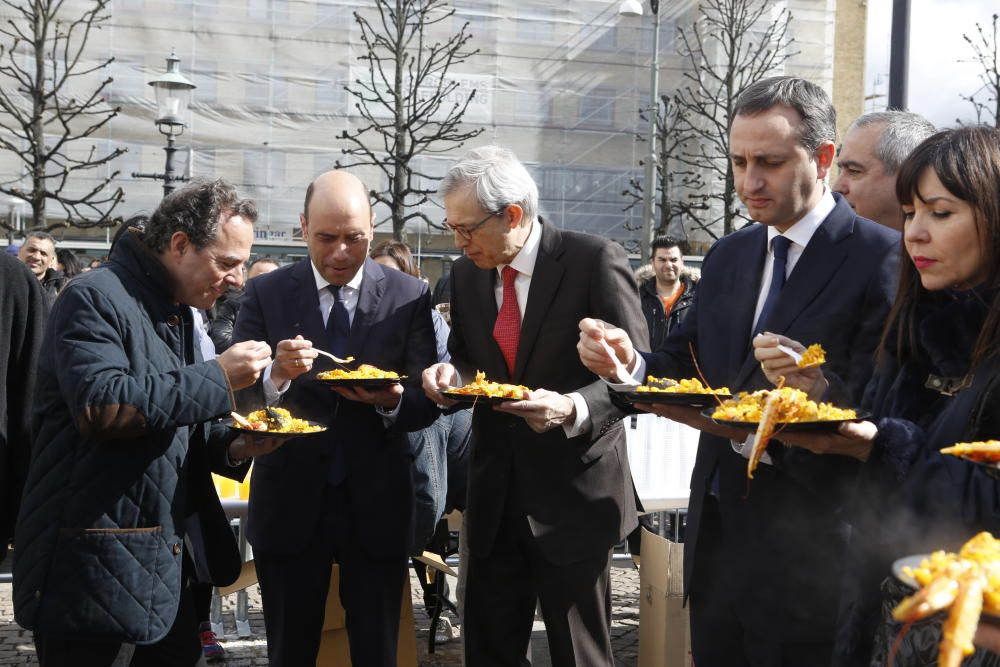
(825, 154)
(514, 214)
(304, 224)
(179, 244)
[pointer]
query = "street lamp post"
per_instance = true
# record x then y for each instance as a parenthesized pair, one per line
(173, 95)
(634, 8)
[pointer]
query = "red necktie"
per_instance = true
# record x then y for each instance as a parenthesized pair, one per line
(507, 330)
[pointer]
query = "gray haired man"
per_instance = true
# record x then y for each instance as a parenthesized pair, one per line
(549, 488)
(874, 147)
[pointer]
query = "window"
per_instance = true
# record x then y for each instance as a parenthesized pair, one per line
(331, 98)
(206, 73)
(668, 37)
(255, 89)
(254, 168)
(605, 38)
(535, 28)
(532, 107)
(597, 108)
(129, 78)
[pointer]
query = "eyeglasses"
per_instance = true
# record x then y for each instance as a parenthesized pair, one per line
(465, 231)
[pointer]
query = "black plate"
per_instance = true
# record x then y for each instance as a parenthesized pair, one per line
(675, 398)
(914, 562)
(908, 561)
(792, 427)
(366, 383)
(990, 468)
(473, 399)
(231, 423)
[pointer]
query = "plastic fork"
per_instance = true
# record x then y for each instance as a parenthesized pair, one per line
(796, 356)
(624, 377)
(334, 357)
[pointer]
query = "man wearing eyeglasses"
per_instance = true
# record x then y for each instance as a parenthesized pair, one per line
(345, 495)
(549, 489)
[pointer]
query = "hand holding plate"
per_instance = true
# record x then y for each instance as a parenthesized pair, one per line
(247, 446)
(386, 397)
(542, 410)
(692, 417)
(854, 439)
(436, 379)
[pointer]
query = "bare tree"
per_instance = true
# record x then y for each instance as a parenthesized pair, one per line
(48, 108)
(985, 53)
(408, 105)
(730, 45)
(676, 183)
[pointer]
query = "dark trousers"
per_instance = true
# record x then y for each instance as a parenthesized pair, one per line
(293, 589)
(500, 596)
(179, 648)
(719, 632)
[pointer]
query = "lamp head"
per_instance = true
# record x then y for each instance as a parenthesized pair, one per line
(630, 8)
(173, 94)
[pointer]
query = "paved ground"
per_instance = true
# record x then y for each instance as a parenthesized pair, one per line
(16, 647)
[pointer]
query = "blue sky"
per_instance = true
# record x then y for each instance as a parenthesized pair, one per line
(936, 77)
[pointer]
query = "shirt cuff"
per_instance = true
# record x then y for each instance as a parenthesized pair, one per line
(389, 416)
(231, 462)
(745, 448)
(271, 392)
(638, 374)
(582, 423)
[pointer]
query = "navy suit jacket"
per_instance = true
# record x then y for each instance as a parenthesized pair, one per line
(391, 329)
(791, 514)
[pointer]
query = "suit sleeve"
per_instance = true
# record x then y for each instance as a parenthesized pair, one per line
(25, 346)
(417, 411)
(614, 298)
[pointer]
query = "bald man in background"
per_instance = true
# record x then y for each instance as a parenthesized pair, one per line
(346, 495)
(874, 147)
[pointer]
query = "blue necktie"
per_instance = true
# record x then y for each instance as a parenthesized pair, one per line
(779, 248)
(338, 324)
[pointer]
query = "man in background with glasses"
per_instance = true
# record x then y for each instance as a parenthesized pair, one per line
(549, 488)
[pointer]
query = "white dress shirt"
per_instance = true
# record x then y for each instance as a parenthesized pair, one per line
(524, 264)
(350, 293)
(799, 236)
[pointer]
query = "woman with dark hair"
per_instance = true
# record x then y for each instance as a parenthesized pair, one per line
(936, 384)
(399, 253)
(68, 263)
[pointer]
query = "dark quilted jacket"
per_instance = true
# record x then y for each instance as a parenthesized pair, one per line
(112, 477)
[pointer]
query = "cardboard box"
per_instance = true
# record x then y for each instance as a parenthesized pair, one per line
(334, 650)
(664, 625)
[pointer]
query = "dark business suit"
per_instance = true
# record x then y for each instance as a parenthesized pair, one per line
(544, 510)
(762, 560)
(346, 494)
